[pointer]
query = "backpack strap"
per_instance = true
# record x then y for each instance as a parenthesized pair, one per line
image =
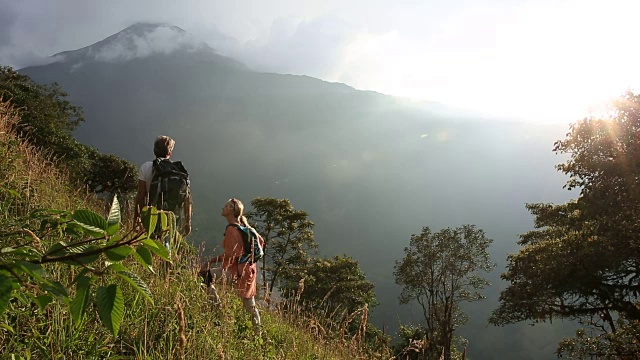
(240, 229)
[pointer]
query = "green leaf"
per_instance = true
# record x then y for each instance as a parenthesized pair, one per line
(78, 306)
(114, 240)
(8, 328)
(26, 252)
(110, 307)
(119, 253)
(93, 223)
(91, 252)
(116, 267)
(34, 270)
(56, 289)
(149, 219)
(144, 257)
(58, 249)
(164, 222)
(80, 274)
(37, 273)
(74, 229)
(42, 301)
(113, 221)
(137, 283)
(157, 248)
(6, 289)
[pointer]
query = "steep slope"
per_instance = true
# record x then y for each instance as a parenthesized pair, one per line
(370, 169)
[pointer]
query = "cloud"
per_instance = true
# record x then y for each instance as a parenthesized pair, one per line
(311, 47)
(159, 40)
(7, 21)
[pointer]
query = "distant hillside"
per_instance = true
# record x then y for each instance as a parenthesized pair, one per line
(181, 323)
(368, 168)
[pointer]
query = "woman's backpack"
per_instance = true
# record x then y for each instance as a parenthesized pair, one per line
(252, 242)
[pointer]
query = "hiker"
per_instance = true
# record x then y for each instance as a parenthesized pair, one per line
(165, 185)
(234, 267)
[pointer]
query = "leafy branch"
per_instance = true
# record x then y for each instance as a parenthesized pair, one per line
(91, 243)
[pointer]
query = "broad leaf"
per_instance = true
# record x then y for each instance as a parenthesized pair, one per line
(74, 229)
(78, 306)
(37, 273)
(93, 223)
(25, 252)
(149, 219)
(56, 289)
(42, 301)
(79, 275)
(57, 249)
(137, 283)
(6, 289)
(119, 253)
(157, 248)
(33, 270)
(113, 221)
(164, 222)
(86, 254)
(110, 307)
(144, 257)
(116, 267)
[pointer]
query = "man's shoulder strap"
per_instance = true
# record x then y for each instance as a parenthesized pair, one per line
(161, 165)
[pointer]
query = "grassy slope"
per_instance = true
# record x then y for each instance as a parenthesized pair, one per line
(182, 323)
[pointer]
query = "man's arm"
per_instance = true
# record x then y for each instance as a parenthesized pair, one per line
(141, 200)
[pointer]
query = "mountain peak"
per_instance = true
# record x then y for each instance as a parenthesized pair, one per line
(136, 41)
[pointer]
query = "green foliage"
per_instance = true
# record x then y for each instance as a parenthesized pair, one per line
(92, 247)
(46, 111)
(412, 344)
(288, 236)
(47, 120)
(581, 261)
(439, 271)
(624, 343)
(337, 282)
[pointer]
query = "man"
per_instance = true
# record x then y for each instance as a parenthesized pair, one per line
(162, 149)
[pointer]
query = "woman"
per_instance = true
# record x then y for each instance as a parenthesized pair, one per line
(244, 274)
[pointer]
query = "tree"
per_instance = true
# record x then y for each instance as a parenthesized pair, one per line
(582, 261)
(47, 121)
(439, 271)
(48, 118)
(288, 236)
(334, 282)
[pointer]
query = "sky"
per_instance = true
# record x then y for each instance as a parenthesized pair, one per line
(535, 60)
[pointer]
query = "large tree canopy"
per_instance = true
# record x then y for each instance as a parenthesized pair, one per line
(334, 282)
(288, 236)
(440, 271)
(582, 261)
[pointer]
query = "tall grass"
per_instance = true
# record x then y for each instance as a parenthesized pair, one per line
(182, 323)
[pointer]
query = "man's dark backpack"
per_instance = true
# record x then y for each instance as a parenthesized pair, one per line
(253, 249)
(169, 185)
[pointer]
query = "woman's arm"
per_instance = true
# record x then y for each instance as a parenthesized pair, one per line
(214, 260)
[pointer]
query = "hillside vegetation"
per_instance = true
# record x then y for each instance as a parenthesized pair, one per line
(179, 323)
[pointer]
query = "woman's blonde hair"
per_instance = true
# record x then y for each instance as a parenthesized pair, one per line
(238, 210)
